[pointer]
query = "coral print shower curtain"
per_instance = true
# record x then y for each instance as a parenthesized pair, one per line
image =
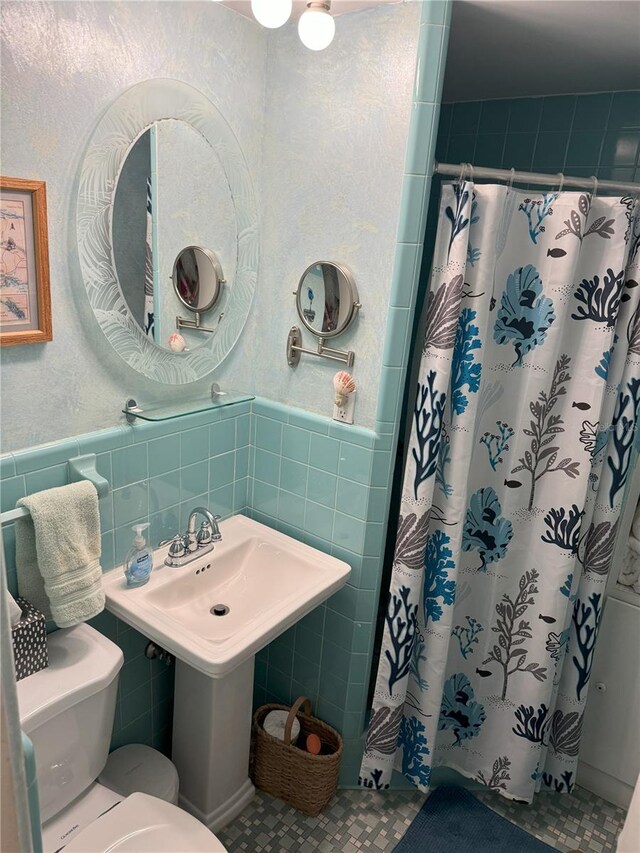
(522, 447)
(149, 309)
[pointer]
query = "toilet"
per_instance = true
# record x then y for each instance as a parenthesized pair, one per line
(67, 711)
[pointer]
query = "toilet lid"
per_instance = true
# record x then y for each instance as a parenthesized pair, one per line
(145, 824)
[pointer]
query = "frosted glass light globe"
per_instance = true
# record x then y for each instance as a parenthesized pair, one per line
(316, 29)
(271, 13)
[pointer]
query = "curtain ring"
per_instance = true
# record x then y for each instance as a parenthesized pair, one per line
(561, 182)
(463, 171)
(594, 191)
(512, 178)
(470, 165)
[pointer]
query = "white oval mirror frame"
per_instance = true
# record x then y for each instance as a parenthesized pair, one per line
(133, 111)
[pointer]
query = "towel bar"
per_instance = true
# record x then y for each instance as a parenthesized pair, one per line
(80, 468)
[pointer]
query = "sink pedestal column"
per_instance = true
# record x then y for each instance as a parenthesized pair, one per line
(211, 742)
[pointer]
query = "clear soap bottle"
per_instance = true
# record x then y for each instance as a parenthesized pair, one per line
(138, 563)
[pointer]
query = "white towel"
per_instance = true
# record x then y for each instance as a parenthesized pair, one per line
(15, 613)
(58, 553)
(630, 571)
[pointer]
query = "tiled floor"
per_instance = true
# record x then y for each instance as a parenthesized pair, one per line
(359, 820)
(579, 820)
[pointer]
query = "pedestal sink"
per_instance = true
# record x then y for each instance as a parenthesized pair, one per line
(214, 614)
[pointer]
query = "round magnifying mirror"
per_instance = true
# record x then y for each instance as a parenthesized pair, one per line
(197, 278)
(327, 299)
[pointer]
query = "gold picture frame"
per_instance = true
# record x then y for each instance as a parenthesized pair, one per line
(25, 299)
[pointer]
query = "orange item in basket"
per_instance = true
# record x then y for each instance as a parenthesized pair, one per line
(314, 744)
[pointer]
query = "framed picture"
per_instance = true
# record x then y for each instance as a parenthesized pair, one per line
(25, 303)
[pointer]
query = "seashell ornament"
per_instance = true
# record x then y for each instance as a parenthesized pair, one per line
(177, 343)
(344, 385)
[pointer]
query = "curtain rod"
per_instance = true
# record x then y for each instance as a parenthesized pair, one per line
(531, 177)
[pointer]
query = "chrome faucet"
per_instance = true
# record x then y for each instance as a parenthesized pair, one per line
(184, 549)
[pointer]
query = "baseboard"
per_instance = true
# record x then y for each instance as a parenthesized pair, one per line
(225, 813)
(604, 785)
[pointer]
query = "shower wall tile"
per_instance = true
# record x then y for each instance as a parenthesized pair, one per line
(494, 117)
(550, 150)
(593, 112)
(625, 110)
(581, 135)
(466, 118)
(584, 148)
(518, 151)
(524, 114)
(557, 112)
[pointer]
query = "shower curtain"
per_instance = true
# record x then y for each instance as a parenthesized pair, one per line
(149, 309)
(523, 442)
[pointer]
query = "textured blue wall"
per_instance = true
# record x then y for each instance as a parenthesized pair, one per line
(312, 126)
(63, 64)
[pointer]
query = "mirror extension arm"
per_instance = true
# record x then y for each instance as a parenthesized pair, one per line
(294, 350)
(181, 323)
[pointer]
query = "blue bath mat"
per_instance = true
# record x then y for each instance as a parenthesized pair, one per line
(453, 821)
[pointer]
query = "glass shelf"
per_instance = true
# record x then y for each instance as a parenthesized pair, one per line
(168, 411)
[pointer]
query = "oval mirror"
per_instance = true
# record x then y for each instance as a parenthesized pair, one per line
(164, 173)
(197, 278)
(171, 191)
(327, 299)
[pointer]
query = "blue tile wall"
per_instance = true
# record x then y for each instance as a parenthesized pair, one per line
(158, 472)
(321, 497)
(308, 476)
(580, 135)
(302, 474)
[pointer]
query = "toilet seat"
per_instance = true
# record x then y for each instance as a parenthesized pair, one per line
(144, 824)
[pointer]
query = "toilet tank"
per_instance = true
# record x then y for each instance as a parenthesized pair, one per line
(67, 710)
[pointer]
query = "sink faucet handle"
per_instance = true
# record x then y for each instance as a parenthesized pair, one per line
(203, 537)
(190, 543)
(177, 548)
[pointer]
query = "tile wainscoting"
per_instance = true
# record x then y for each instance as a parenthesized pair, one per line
(321, 482)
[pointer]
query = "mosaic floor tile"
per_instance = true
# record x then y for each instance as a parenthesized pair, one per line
(365, 820)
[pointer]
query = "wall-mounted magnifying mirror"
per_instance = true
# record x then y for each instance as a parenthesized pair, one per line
(197, 277)
(327, 299)
(327, 303)
(197, 280)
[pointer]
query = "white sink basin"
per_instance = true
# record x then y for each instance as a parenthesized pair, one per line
(266, 579)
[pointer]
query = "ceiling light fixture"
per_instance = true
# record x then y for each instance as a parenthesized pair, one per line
(316, 27)
(271, 13)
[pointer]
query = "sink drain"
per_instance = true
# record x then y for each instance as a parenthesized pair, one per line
(219, 610)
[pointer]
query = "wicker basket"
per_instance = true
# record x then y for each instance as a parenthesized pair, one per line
(307, 782)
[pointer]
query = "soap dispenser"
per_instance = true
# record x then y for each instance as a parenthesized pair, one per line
(138, 563)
